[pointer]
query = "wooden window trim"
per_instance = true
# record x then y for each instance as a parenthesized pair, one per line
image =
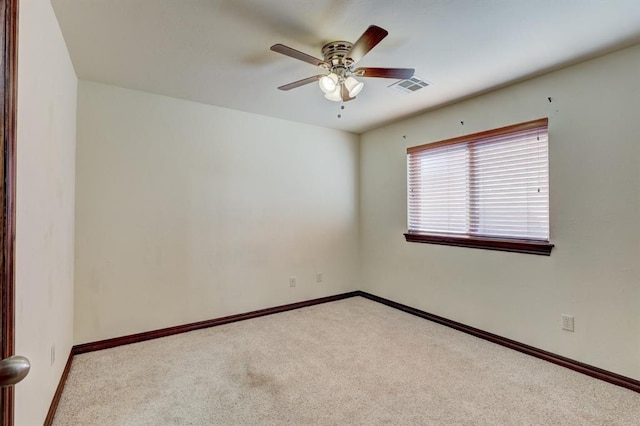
(541, 122)
(516, 245)
(501, 244)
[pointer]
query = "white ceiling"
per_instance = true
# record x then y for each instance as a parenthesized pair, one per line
(217, 51)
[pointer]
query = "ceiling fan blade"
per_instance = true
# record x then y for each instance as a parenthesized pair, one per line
(296, 54)
(367, 41)
(300, 82)
(399, 73)
(344, 93)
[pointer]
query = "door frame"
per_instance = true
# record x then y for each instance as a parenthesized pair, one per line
(8, 95)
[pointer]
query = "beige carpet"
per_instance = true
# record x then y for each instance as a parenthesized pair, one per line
(351, 362)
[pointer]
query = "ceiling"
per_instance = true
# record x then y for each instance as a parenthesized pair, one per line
(217, 51)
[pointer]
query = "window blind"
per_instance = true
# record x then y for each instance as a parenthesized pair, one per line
(490, 184)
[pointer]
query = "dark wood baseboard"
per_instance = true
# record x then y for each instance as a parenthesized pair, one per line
(139, 337)
(589, 370)
(164, 332)
(48, 421)
(580, 367)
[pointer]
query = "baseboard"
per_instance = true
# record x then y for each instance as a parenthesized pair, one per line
(48, 421)
(155, 334)
(580, 367)
(140, 337)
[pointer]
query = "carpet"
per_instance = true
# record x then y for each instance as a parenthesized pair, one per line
(349, 362)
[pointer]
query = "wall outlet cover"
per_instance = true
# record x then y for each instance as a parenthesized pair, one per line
(567, 322)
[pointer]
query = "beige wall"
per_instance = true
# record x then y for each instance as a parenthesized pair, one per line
(593, 272)
(47, 88)
(187, 212)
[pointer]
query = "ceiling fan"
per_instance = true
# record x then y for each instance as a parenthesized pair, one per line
(338, 82)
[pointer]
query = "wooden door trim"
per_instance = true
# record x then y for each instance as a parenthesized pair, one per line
(8, 94)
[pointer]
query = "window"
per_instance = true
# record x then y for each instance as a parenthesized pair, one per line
(486, 190)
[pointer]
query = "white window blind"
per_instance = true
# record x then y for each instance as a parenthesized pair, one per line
(490, 184)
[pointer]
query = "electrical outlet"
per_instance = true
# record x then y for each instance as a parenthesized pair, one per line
(292, 281)
(318, 277)
(567, 322)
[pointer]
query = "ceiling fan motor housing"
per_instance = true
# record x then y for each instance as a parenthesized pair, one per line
(335, 54)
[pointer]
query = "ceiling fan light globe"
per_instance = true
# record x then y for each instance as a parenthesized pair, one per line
(334, 96)
(353, 86)
(328, 83)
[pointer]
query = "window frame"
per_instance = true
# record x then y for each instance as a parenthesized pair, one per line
(518, 245)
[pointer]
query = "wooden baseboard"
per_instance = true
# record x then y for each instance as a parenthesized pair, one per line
(139, 337)
(148, 335)
(589, 370)
(580, 367)
(48, 421)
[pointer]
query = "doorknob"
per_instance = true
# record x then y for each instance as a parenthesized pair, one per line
(13, 369)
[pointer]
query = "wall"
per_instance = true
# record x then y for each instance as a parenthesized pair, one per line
(45, 179)
(187, 212)
(592, 272)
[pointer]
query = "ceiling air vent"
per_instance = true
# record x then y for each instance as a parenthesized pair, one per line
(410, 85)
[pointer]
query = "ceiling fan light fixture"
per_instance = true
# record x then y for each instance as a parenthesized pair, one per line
(337, 81)
(334, 96)
(353, 86)
(328, 83)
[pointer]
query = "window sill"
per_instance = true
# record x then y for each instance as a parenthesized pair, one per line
(517, 246)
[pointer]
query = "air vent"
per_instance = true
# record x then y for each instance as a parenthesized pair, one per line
(410, 85)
